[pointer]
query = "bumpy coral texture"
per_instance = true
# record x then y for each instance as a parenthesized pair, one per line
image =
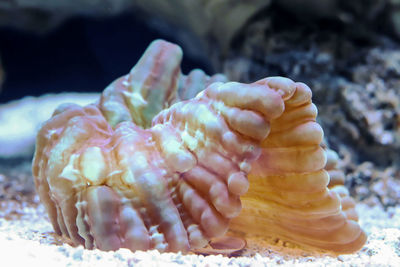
(141, 169)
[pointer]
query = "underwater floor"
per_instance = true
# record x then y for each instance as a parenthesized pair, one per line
(27, 237)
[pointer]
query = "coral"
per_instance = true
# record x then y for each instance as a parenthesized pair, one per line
(141, 169)
(108, 183)
(336, 175)
(336, 184)
(153, 84)
(288, 195)
(195, 82)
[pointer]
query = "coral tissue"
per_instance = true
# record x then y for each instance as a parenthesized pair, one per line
(143, 169)
(289, 195)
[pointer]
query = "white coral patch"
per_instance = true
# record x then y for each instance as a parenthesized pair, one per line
(93, 165)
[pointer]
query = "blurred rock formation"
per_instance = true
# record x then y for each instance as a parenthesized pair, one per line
(43, 15)
(211, 20)
(206, 24)
(1, 74)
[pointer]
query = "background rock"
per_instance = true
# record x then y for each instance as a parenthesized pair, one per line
(42, 15)
(210, 20)
(1, 75)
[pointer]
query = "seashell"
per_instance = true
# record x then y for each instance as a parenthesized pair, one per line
(109, 182)
(288, 195)
(141, 169)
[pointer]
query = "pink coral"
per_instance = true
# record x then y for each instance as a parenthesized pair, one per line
(135, 170)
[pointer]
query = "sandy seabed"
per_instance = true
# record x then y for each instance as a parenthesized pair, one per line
(27, 239)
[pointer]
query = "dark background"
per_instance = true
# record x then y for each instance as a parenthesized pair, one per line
(82, 54)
